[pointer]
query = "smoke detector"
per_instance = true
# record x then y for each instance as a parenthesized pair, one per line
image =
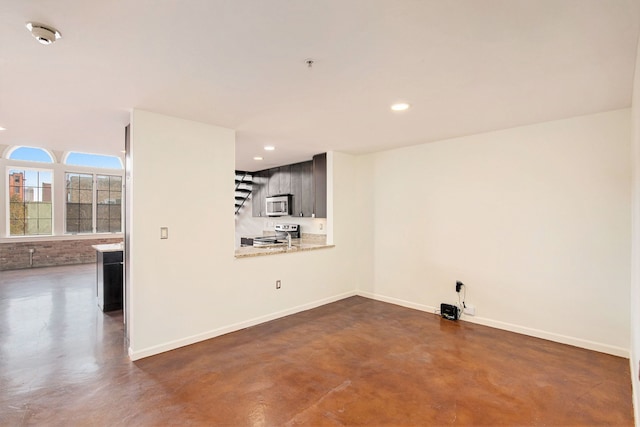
(45, 35)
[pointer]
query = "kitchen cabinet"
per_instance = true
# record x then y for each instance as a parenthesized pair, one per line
(320, 185)
(279, 181)
(258, 193)
(284, 172)
(305, 181)
(273, 184)
(302, 188)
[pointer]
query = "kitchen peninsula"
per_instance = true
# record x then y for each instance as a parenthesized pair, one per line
(297, 245)
(109, 277)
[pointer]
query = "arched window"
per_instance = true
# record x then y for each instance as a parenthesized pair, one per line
(30, 154)
(93, 160)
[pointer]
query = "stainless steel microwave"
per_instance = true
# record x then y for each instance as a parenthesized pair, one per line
(279, 205)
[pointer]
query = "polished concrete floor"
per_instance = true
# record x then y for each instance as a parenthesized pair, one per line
(354, 362)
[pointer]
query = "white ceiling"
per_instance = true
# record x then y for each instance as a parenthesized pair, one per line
(466, 66)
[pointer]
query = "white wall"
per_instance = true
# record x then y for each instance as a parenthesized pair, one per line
(534, 220)
(635, 244)
(190, 287)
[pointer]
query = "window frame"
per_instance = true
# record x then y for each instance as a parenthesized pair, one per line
(59, 169)
(8, 184)
(68, 154)
(11, 150)
(94, 203)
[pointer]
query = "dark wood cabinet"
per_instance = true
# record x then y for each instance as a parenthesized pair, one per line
(307, 189)
(302, 188)
(258, 193)
(109, 280)
(279, 181)
(284, 173)
(305, 181)
(274, 182)
(320, 185)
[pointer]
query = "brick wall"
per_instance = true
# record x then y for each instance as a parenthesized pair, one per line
(15, 255)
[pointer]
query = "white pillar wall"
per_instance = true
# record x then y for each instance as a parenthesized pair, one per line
(190, 287)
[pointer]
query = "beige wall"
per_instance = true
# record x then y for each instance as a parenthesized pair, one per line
(534, 220)
(190, 287)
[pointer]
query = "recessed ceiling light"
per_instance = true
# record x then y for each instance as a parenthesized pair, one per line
(401, 106)
(269, 148)
(45, 35)
(257, 158)
(1, 128)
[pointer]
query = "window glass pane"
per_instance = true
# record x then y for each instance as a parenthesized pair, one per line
(44, 227)
(109, 204)
(79, 207)
(85, 196)
(72, 225)
(114, 212)
(17, 227)
(44, 210)
(30, 202)
(86, 226)
(115, 183)
(103, 182)
(93, 160)
(102, 226)
(31, 154)
(86, 211)
(31, 178)
(31, 226)
(86, 182)
(103, 197)
(73, 211)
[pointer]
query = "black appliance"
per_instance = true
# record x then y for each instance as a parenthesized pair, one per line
(449, 311)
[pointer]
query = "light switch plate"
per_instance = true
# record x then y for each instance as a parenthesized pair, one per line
(164, 232)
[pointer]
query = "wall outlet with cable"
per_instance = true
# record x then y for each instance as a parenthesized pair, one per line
(462, 305)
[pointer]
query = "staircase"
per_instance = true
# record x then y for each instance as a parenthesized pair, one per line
(244, 182)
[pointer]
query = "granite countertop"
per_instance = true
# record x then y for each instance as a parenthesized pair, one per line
(297, 245)
(111, 247)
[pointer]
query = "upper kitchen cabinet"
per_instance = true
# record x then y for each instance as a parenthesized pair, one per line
(320, 185)
(302, 188)
(305, 181)
(279, 181)
(285, 179)
(258, 193)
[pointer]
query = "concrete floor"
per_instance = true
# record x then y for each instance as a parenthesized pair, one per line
(354, 362)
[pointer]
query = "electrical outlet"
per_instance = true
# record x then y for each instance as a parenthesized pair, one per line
(470, 310)
(278, 284)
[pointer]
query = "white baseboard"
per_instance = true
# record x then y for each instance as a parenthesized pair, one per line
(172, 345)
(551, 336)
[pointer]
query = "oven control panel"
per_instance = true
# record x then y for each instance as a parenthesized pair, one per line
(287, 227)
